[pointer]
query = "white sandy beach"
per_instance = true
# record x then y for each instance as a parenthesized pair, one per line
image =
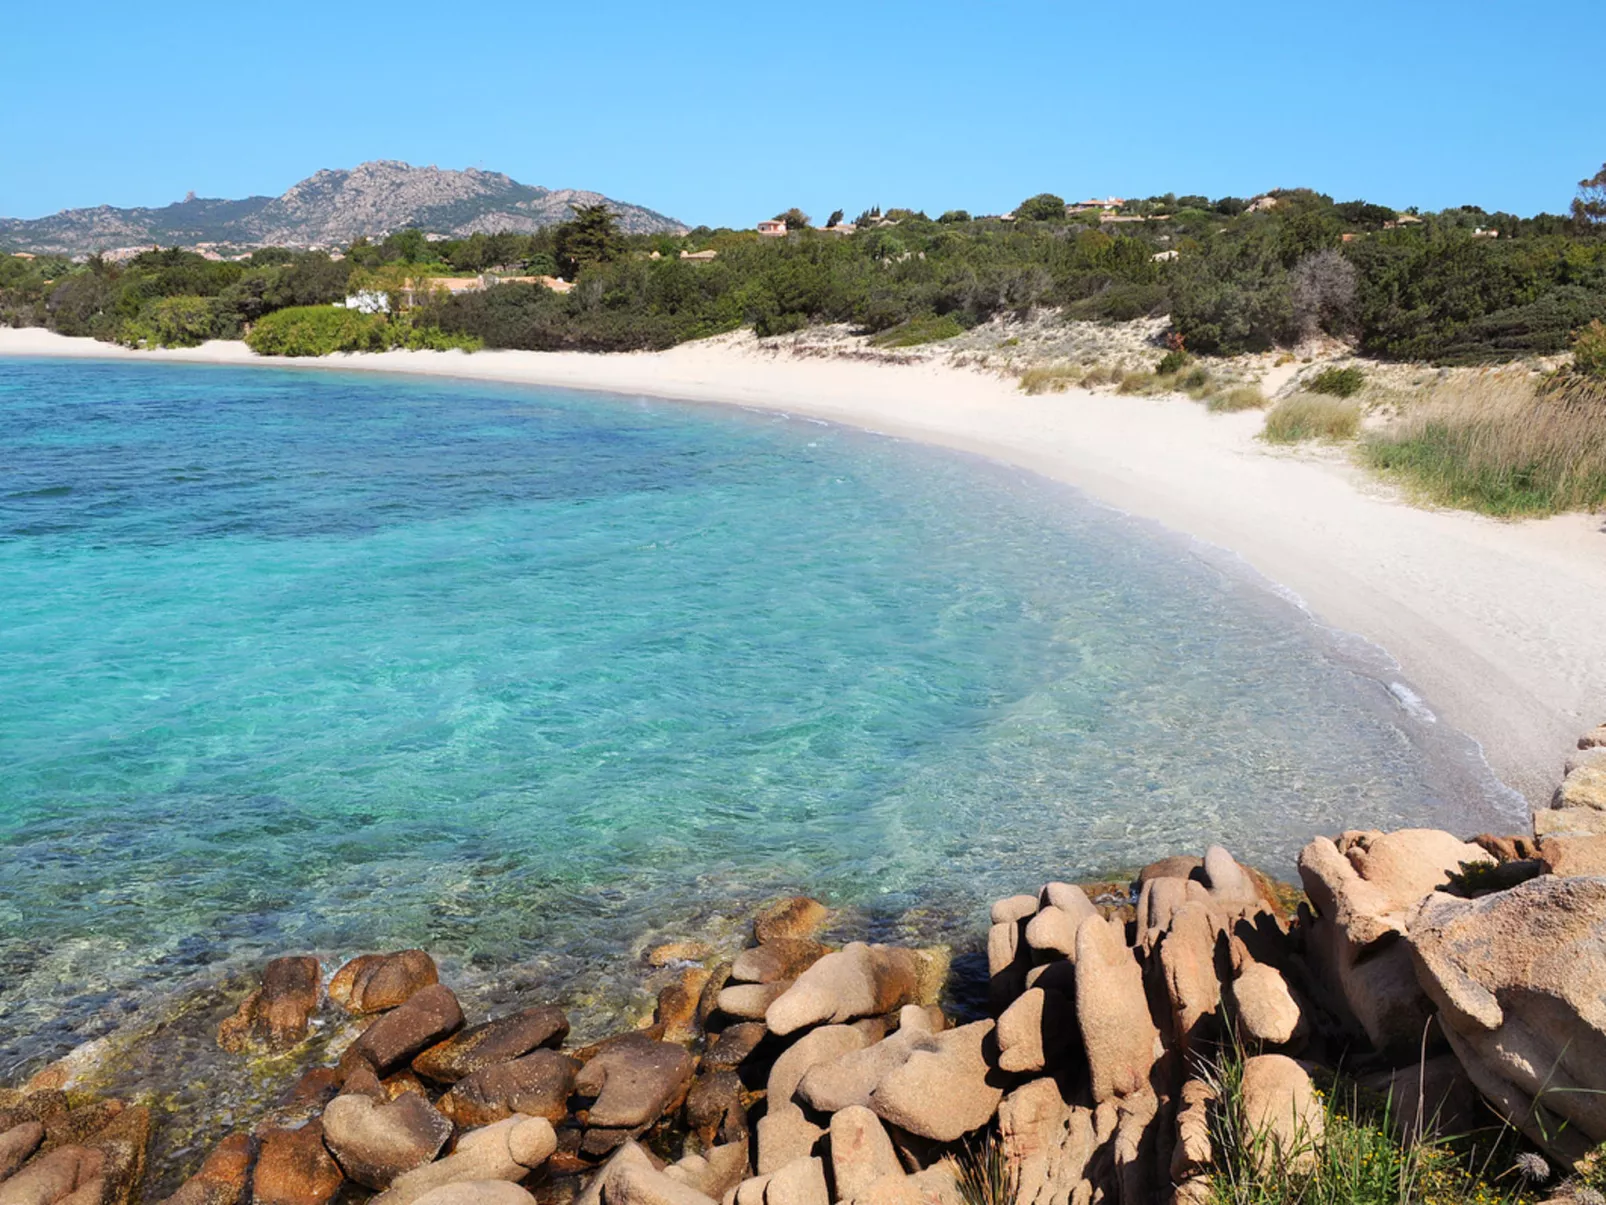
(1500, 626)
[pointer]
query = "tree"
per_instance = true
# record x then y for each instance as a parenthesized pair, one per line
(795, 219)
(1044, 207)
(955, 215)
(1589, 206)
(1322, 291)
(590, 237)
(835, 220)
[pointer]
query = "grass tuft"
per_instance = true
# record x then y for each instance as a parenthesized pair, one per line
(1308, 416)
(1056, 378)
(1502, 444)
(1337, 382)
(1244, 397)
(987, 1176)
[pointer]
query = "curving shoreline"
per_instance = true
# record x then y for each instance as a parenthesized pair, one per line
(1495, 624)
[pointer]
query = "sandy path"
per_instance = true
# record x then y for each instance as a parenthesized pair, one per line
(1501, 627)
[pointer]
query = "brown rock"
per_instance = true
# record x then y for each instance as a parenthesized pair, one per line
(679, 951)
(714, 1106)
(1188, 964)
(477, 1192)
(1280, 1103)
(1053, 932)
(861, 1152)
(1520, 980)
(1517, 848)
(53, 1176)
(795, 917)
(222, 1176)
(506, 1150)
(800, 1182)
(498, 1041)
(857, 981)
(750, 1001)
(374, 1143)
(42, 1105)
(1191, 1156)
(426, 1018)
(715, 1173)
(1178, 866)
(123, 1145)
(734, 1044)
(784, 1135)
(777, 959)
(1569, 822)
(1014, 908)
(850, 1079)
(18, 1143)
(1362, 888)
(294, 1168)
(1266, 1011)
(1008, 957)
(1047, 1141)
(823, 1045)
(275, 1016)
(1428, 1099)
(633, 1081)
(537, 1085)
(1112, 1013)
(372, 983)
(314, 1090)
(1038, 1030)
(946, 1092)
(1572, 856)
(632, 1178)
(676, 1010)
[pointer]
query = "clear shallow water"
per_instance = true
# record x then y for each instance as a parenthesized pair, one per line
(294, 660)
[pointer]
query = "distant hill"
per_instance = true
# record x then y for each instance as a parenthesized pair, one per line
(330, 208)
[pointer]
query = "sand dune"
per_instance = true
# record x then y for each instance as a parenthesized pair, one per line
(1500, 627)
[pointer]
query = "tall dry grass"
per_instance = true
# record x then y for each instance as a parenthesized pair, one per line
(1504, 443)
(1307, 416)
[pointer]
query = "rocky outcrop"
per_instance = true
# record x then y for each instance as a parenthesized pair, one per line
(947, 1091)
(1112, 1012)
(508, 1150)
(276, 1015)
(1280, 1107)
(1362, 888)
(1519, 978)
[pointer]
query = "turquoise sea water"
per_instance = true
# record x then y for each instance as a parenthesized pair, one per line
(296, 660)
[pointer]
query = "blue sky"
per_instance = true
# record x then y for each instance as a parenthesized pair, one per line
(724, 113)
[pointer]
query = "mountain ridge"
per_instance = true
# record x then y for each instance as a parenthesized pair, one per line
(331, 207)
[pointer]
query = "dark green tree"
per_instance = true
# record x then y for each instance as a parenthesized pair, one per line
(591, 237)
(1044, 207)
(835, 220)
(795, 219)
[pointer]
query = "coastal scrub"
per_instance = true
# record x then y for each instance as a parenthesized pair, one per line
(1308, 416)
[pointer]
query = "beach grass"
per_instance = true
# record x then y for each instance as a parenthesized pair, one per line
(1360, 1157)
(1504, 443)
(1242, 397)
(1308, 416)
(1054, 378)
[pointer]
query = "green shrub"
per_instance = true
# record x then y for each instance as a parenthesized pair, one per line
(1244, 397)
(317, 330)
(1172, 363)
(915, 331)
(1589, 350)
(1312, 416)
(1337, 382)
(186, 321)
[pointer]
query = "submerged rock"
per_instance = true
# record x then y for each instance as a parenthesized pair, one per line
(275, 1016)
(222, 1177)
(796, 917)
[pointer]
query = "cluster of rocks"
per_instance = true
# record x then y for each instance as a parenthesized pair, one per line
(1456, 976)
(1579, 807)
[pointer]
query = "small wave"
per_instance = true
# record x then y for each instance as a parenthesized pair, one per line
(1412, 702)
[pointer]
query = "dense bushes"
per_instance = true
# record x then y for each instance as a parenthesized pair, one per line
(323, 330)
(1589, 350)
(1337, 382)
